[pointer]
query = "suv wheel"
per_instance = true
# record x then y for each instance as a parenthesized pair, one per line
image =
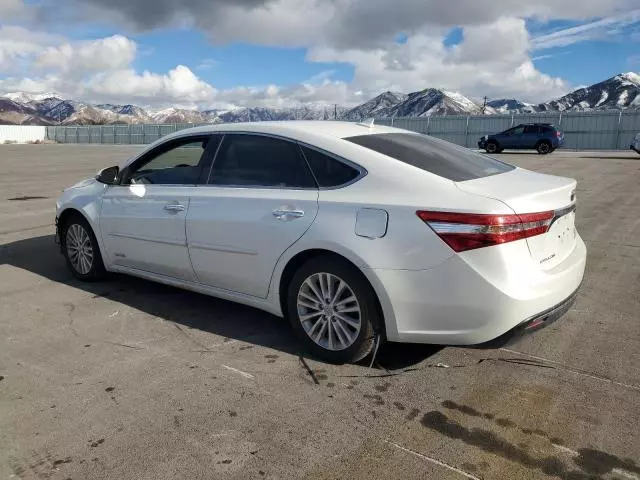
(332, 309)
(492, 146)
(544, 147)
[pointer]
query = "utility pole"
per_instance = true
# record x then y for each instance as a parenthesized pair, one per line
(484, 105)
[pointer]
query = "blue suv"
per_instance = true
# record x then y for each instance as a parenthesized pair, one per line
(543, 137)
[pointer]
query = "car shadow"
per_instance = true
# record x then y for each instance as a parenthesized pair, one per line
(232, 321)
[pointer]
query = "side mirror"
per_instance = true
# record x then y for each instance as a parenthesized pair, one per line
(108, 176)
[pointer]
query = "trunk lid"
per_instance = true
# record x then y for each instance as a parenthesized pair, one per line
(531, 192)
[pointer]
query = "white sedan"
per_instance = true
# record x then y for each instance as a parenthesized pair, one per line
(355, 233)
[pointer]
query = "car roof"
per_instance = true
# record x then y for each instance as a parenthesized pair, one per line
(319, 133)
(294, 129)
(538, 124)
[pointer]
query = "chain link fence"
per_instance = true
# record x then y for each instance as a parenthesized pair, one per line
(610, 130)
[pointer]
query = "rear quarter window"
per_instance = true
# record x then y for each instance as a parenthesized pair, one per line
(433, 155)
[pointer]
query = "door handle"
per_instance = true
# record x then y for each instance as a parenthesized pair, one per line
(287, 214)
(174, 207)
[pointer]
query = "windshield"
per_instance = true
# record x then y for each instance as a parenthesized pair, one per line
(433, 155)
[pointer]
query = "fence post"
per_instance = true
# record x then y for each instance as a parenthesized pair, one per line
(77, 134)
(392, 121)
(560, 120)
(466, 133)
(428, 122)
(512, 119)
(101, 135)
(617, 144)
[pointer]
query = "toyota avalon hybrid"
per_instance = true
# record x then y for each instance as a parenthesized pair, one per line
(353, 232)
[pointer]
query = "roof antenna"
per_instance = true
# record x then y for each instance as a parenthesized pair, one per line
(367, 123)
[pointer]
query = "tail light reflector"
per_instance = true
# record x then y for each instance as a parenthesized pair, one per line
(467, 231)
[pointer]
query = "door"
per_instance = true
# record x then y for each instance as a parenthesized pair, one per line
(513, 138)
(261, 197)
(530, 136)
(142, 220)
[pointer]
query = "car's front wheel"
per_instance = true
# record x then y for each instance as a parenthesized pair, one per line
(492, 147)
(332, 309)
(81, 250)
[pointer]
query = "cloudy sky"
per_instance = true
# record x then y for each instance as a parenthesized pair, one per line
(217, 53)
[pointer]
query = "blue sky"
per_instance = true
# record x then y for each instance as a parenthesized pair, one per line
(222, 53)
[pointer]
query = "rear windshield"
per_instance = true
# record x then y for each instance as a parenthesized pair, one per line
(433, 155)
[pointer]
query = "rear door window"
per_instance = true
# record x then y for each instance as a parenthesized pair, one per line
(260, 161)
(433, 155)
(531, 129)
(328, 171)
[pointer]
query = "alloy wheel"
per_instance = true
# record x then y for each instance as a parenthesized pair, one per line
(79, 248)
(329, 311)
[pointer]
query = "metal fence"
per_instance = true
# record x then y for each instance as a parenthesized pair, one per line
(611, 130)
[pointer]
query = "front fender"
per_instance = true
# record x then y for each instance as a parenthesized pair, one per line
(86, 199)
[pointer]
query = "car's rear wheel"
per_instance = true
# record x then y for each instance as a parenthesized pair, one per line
(81, 250)
(492, 147)
(332, 309)
(543, 148)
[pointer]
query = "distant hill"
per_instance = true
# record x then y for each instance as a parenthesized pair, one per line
(621, 92)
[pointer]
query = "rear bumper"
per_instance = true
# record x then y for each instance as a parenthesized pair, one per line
(633, 147)
(454, 304)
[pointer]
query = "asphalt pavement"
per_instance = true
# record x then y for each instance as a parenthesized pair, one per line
(129, 379)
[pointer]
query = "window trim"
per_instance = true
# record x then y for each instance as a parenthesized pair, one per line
(362, 171)
(140, 159)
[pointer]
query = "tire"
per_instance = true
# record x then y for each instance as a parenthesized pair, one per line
(544, 147)
(80, 249)
(337, 340)
(492, 146)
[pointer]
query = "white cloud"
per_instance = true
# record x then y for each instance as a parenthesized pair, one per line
(494, 58)
(108, 53)
(13, 9)
(179, 86)
(596, 30)
(18, 44)
(207, 64)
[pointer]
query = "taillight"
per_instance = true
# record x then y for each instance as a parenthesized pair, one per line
(466, 231)
(558, 134)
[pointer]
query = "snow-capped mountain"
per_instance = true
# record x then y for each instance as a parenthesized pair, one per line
(177, 115)
(505, 105)
(619, 92)
(379, 106)
(23, 97)
(432, 101)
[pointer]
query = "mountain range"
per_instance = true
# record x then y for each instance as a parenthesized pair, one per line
(620, 92)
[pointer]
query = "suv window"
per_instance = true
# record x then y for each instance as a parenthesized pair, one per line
(515, 131)
(547, 129)
(328, 171)
(531, 129)
(178, 162)
(433, 155)
(256, 160)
